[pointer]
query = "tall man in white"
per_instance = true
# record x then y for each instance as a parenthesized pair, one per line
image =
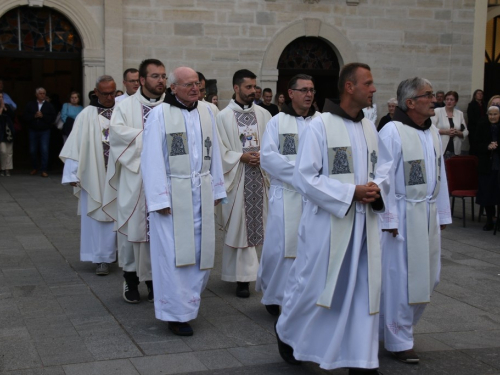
(124, 198)
(131, 83)
(85, 156)
(279, 149)
(332, 298)
(241, 126)
(183, 180)
(420, 209)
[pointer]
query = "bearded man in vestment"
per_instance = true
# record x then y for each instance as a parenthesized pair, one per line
(85, 155)
(124, 199)
(332, 296)
(419, 210)
(279, 149)
(183, 180)
(241, 126)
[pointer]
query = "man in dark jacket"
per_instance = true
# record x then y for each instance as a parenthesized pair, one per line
(39, 116)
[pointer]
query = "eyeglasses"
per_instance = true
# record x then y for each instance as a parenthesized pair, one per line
(158, 76)
(133, 81)
(106, 93)
(188, 85)
(305, 91)
(428, 95)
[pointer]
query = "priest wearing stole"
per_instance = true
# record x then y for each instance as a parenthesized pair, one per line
(241, 126)
(279, 149)
(183, 180)
(85, 156)
(124, 199)
(332, 297)
(419, 200)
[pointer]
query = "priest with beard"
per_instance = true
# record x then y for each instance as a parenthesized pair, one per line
(85, 155)
(279, 150)
(183, 180)
(332, 297)
(420, 210)
(241, 126)
(124, 199)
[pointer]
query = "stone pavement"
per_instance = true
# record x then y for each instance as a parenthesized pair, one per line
(58, 317)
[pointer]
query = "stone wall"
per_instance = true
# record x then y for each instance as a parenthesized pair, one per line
(398, 39)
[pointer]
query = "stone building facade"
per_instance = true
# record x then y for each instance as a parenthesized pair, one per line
(437, 39)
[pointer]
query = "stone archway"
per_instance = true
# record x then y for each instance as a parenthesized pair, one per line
(309, 27)
(90, 33)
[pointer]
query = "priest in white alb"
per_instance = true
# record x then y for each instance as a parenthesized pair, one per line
(419, 210)
(124, 199)
(183, 180)
(332, 297)
(280, 144)
(85, 156)
(241, 126)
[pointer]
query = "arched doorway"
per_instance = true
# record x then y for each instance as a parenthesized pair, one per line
(39, 47)
(312, 56)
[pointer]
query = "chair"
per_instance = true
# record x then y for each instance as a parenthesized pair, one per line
(461, 172)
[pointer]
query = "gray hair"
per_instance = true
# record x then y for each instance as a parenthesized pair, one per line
(392, 101)
(38, 89)
(408, 89)
(103, 78)
(172, 78)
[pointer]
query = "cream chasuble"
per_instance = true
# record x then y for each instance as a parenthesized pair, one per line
(124, 199)
(423, 239)
(88, 144)
(341, 168)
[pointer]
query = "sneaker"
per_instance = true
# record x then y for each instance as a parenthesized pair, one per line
(7, 173)
(407, 356)
(131, 295)
(151, 293)
(102, 269)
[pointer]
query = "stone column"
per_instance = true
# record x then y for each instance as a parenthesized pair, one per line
(93, 67)
(268, 78)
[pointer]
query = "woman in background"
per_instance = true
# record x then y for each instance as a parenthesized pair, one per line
(69, 112)
(279, 99)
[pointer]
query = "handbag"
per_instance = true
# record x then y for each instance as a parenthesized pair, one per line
(59, 122)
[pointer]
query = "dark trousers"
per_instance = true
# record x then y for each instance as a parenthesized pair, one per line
(39, 142)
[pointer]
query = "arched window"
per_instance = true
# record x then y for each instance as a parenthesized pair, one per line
(40, 30)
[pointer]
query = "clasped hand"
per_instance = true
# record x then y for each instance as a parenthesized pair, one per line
(367, 193)
(251, 158)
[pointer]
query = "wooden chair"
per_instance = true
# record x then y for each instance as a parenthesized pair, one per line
(461, 172)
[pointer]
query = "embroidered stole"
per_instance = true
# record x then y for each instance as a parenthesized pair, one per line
(341, 168)
(292, 200)
(182, 200)
(104, 123)
(422, 235)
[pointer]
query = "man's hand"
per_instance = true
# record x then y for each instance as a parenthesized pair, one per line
(38, 114)
(394, 232)
(251, 158)
(217, 201)
(74, 184)
(164, 211)
(367, 193)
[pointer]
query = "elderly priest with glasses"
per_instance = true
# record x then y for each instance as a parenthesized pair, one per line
(183, 181)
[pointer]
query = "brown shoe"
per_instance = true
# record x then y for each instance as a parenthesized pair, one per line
(45, 174)
(407, 356)
(33, 172)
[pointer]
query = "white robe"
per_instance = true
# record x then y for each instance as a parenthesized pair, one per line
(177, 289)
(239, 260)
(274, 267)
(124, 199)
(345, 335)
(396, 316)
(84, 163)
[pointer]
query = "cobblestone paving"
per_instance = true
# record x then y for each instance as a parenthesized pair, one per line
(58, 317)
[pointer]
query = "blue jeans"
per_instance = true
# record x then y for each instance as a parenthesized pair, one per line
(39, 140)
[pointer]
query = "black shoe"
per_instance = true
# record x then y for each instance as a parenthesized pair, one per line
(242, 290)
(286, 351)
(180, 329)
(488, 227)
(274, 310)
(407, 356)
(131, 293)
(151, 293)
